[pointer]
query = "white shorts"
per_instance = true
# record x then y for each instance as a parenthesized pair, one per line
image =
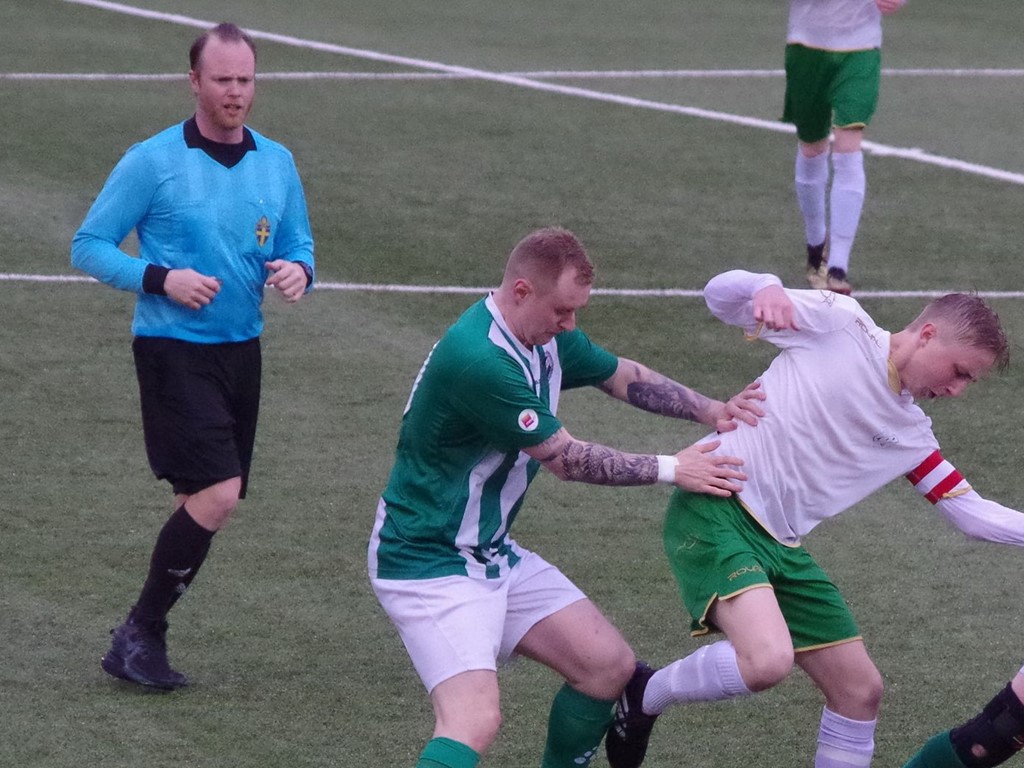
(455, 624)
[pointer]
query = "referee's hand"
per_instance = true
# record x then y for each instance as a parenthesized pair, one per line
(191, 289)
(288, 277)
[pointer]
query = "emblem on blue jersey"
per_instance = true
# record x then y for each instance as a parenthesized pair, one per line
(528, 420)
(262, 231)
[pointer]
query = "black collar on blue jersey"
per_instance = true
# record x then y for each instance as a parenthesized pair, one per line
(228, 155)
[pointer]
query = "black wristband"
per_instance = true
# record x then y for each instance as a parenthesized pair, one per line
(308, 270)
(153, 280)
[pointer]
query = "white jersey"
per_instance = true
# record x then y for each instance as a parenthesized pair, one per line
(837, 425)
(835, 25)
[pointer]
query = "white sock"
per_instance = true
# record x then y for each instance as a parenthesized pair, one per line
(708, 674)
(811, 181)
(844, 743)
(845, 203)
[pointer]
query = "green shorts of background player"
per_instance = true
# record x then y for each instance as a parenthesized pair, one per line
(830, 97)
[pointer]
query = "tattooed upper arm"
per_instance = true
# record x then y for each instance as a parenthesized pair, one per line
(549, 450)
(626, 373)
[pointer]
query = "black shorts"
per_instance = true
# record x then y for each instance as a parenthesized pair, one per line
(200, 403)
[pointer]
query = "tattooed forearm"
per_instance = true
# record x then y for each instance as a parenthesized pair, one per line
(601, 465)
(667, 399)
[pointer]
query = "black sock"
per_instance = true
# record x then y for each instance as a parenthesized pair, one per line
(815, 255)
(180, 549)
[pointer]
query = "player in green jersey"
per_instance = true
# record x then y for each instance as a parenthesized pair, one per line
(480, 423)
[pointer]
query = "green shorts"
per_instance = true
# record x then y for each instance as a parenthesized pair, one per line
(829, 88)
(717, 550)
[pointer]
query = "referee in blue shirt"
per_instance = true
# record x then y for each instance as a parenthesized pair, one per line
(220, 215)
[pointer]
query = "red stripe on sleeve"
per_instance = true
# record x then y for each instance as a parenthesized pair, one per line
(944, 486)
(918, 474)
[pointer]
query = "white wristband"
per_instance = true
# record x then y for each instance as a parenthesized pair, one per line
(667, 469)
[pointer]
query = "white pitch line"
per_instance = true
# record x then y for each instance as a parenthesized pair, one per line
(751, 73)
(914, 154)
(91, 76)
(666, 293)
(569, 74)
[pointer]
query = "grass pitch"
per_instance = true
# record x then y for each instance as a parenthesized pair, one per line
(430, 182)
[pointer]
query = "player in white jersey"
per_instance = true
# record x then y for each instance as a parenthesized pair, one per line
(833, 68)
(479, 424)
(840, 421)
(991, 738)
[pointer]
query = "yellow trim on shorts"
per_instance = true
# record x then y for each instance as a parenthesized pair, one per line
(704, 628)
(829, 645)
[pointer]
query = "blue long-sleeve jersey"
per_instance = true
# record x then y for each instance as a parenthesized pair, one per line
(190, 211)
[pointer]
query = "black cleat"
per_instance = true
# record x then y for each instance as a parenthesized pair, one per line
(816, 257)
(817, 267)
(838, 282)
(138, 654)
(626, 742)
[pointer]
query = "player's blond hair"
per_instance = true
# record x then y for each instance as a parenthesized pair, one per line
(971, 321)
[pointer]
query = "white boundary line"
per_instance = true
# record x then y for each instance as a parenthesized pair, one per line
(667, 293)
(913, 153)
(569, 74)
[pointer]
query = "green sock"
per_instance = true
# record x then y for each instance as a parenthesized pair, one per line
(937, 752)
(575, 728)
(447, 753)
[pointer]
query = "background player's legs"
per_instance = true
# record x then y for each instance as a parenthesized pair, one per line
(846, 198)
(811, 183)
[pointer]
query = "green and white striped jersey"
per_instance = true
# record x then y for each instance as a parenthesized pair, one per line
(459, 475)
